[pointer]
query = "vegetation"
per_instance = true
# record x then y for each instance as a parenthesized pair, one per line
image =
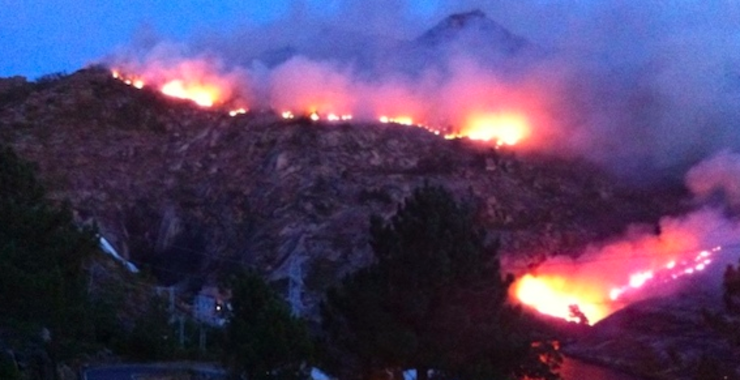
(152, 338)
(435, 285)
(262, 339)
(59, 295)
(8, 368)
(434, 300)
(42, 258)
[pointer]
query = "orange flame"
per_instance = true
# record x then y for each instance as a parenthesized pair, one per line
(203, 95)
(552, 295)
(504, 128)
(201, 83)
(403, 120)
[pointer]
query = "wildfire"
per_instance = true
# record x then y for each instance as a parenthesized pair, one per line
(403, 120)
(202, 95)
(238, 111)
(503, 128)
(131, 81)
(553, 295)
(549, 295)
(670, 271)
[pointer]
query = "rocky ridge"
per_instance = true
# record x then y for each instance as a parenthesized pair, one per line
(194, 192)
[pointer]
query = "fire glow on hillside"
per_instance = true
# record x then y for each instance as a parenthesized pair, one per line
(202, 94)
(509, 127)
(558, 289)
(641, 264)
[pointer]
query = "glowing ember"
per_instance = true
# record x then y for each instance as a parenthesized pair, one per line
(672, 270)
(403, 120)
(131, 81)
(637, 280)
(315, 116)
(239, 111)
(287, 115)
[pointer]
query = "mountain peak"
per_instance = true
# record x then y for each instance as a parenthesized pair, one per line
(473, 29)
(460, 20)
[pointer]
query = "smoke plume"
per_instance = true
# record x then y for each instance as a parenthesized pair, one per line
(646, 90)
(649, 261)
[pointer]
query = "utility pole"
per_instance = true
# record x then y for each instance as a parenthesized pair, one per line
(202, 339)
(182, 331)
(172, 299)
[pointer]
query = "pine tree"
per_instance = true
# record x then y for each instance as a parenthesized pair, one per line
(434, 299)
(263, 339)
(42, 256)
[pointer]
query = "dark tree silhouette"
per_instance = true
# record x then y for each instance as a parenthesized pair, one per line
(42, 258)
(434, 300)
(263, 340)
(576, 313)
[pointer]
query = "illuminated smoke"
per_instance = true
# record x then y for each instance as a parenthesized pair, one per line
(202, 79)
(644, 89)
(719, 174)
(607, 277)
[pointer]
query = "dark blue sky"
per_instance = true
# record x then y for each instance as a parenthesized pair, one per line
(44, 36)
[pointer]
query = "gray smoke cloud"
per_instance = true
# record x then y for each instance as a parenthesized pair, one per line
(718, 175)
(645, 89)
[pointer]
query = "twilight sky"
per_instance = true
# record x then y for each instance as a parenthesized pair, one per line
(44, 36)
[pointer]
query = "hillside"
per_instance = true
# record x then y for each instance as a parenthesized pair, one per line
(193, 192)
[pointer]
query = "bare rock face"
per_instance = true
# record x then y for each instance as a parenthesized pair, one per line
(195, 192)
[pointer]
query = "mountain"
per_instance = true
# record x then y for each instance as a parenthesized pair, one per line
(469, 35)
(472, 30)
(193, 193)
